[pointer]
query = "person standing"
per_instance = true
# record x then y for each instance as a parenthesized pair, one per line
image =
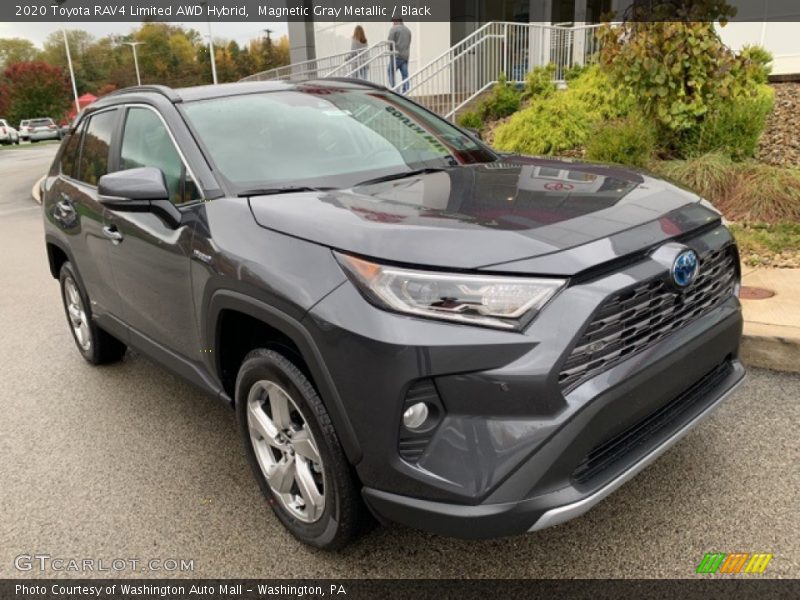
(358, 45)
(401, 36)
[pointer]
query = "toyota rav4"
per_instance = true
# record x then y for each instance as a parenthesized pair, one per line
(407, 323)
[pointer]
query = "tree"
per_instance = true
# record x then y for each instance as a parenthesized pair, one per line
(35, 89)
(14, 50)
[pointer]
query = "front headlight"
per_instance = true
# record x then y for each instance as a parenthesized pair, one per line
(488, 300)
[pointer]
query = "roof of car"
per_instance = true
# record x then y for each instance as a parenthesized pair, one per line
(205, 92)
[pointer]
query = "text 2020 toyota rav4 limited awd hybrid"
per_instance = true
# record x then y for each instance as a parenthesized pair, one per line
(472, 343)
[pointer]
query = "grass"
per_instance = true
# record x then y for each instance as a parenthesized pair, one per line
(764, 244)
(746, 191)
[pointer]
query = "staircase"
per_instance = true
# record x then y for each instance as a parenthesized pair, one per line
(463, 72)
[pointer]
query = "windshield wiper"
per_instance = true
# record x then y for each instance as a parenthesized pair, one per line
(287, 189)
(401, 175)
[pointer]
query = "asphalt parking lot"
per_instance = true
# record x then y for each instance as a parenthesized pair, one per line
(128, 461)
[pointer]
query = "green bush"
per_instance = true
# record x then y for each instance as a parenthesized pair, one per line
(732, 127)
(470, 119)
(629, 141)
(562, 120)
(539, 82)
(504, 100)
(547, 126)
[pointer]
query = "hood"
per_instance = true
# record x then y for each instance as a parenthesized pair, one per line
(483, 216)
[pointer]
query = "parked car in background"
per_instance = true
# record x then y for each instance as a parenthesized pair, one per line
(8, 135)
(24, 129)
(43, 129)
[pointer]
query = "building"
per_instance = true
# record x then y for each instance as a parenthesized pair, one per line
(766, 24)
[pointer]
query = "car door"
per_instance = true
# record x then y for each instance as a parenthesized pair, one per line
(74, 208)
(150, 257)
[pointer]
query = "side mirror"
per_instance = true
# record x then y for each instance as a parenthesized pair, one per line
(138, 190)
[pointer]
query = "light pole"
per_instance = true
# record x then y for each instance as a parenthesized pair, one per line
(71, 72)
(211, 47)
(135, 59)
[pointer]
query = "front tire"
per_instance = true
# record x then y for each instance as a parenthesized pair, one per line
(95, 345)
(294, 452)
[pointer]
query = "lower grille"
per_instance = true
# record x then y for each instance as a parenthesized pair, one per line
(642, 315)
(614, 450)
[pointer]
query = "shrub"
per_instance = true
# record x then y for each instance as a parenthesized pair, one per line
(548, 126)
(562, 120)
(470, 119)
(713, 175)
(504, 100)
(629, 141)
(676, 70)
(733, 127)
(574, 72)
(600, 96)
(539, 82)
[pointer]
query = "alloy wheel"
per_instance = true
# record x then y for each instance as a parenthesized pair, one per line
(286, 451)
(77, 315)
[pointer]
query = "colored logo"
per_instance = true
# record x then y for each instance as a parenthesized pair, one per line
(685, 268)
(559, 187)
(738, 562)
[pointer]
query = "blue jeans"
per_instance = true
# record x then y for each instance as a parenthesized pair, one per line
(396, 63)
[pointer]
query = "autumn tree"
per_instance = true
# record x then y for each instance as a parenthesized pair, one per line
(35, 89)
(14, 50)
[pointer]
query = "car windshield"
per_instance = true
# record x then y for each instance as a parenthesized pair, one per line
(317, 136)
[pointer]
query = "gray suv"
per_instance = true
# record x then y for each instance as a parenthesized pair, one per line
(408, 324)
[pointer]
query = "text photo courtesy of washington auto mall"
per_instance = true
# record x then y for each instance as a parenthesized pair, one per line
(377, 299)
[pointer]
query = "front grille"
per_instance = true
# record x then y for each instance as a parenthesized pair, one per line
(612, 451)
(642, 315)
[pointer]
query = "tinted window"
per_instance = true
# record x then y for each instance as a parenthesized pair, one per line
(42, 122)
(146, 143)
(69, 157)
(96, 146)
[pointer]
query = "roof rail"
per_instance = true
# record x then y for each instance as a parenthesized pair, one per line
(164, 90)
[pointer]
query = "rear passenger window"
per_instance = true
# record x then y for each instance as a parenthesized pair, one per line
(96, 146)
(69, 157)
(147, 143)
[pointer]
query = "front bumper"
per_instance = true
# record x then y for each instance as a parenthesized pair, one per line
(516, 449)
(539, 512)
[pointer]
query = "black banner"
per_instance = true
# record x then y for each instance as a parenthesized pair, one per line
(351, 589)
(75, 11)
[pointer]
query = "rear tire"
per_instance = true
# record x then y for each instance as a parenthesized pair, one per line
(294, 452)
(95, 345)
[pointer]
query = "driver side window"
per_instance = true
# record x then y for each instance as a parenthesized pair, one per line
(147, 143)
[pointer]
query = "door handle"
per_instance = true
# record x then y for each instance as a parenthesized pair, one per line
(112, 233)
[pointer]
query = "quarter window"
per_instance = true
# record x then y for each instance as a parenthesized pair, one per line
(147, 143)
(96, 146)
(69, 158)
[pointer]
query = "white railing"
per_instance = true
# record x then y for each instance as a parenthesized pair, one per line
(462, 73)
(325, 66)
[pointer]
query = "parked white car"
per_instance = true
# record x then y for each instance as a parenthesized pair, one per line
(8, 135)
(23, 129)
(43, 129)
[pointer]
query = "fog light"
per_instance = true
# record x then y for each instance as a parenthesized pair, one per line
(415, 415)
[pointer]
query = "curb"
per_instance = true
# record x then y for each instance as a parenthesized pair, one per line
(36, 189)
(770, 347)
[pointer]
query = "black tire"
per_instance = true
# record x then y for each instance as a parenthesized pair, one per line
(344, 515)
(103, 348)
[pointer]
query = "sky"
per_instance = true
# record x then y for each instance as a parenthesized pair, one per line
(241, 32)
